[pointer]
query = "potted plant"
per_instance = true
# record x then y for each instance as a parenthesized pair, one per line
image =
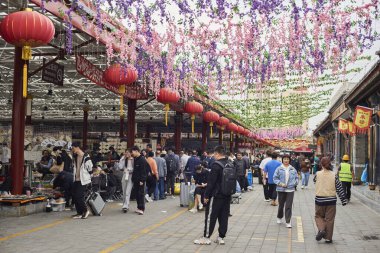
(372, 186)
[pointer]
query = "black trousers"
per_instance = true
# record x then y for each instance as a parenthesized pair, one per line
(285, 199)
(266, 191)
(241, 180)
(272, 193)
(217, 209)
(151, 184)
(347, 189)
(140, 195)
(78, 191)
(170, 179)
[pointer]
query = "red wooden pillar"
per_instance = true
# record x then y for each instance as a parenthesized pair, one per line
(232, 142)
(178, 119)
(18, 125)
(85, 127)
(121, 132)
(131, 122)
(205, 126)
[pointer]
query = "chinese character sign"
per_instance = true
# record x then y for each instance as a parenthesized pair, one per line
(362, 118)
(351, 128)
(343, 126)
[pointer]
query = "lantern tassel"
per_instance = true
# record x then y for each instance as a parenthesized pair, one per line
(231, 136)
(211, 124)
(122, 92)
(222, 133)
(25, 81)
(167, 107)
(192, 122)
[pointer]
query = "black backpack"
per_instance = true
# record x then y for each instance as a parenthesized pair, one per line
(171, 163)
(228, 184)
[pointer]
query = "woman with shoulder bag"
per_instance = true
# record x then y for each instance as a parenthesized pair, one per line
(126, 163)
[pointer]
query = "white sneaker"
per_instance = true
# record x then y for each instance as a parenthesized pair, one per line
(266, 200)
(302, 187)
(305, 187)
(219, 240)
(279, 221)
(147, 197)
(200, 206)
(193, 210)
(150, 199)
(173, 197)
(289, 225)
(203, 241)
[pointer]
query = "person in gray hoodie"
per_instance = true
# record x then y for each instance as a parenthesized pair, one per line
(162, 172)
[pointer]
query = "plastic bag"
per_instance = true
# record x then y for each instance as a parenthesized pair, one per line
(364, 175)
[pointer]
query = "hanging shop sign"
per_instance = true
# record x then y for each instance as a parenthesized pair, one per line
(53, 73)
(362, 118)
(93, 73)
(339, 111)
(343, 126)
(351, 128)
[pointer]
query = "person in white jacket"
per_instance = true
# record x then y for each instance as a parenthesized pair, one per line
(126, 164)
(82, 165)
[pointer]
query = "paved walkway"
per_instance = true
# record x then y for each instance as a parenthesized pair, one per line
(166, 227)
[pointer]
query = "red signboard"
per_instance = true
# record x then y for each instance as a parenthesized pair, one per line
(93, 73)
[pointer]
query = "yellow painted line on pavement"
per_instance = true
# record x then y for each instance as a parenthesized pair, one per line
(300, 229)
(25, 232)
(141, 233)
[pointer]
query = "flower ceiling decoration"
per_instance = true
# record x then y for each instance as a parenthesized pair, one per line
(247, 54)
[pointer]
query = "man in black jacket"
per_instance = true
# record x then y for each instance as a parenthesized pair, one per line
(139, 177)
(239, 164)
(218, 205)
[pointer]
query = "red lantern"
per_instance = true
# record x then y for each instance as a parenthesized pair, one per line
(167, 96)
(240, 130)
(210, 117)
(232, 127)
(26, 29)
(193, 108)
(119, 75)
(223, 122)
(246, 132)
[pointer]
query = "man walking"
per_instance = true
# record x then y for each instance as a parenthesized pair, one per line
(262, 166)
(162, 172)
(240, 171)
(218, 204)
(346, 174)
(139, 176)
(81, 178)
(269, 170)
(172, 165)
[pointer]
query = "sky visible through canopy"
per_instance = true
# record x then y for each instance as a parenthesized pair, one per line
(274, 64)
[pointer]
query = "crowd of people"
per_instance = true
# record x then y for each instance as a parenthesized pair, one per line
(147, 176)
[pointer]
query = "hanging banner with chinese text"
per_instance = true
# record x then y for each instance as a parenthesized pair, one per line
(362, 119)
(351, 128)
(343, 126)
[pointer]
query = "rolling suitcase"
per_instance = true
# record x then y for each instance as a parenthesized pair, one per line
(96, 203)
(184, 194)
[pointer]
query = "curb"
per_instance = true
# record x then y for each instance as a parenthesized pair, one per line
(366, 201)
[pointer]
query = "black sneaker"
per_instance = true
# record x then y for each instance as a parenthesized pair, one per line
(320, 235)
(328, 241)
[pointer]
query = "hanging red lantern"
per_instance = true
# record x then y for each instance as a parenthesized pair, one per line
(193, 108)
(167, 96)
(222, 122)
(232, 127)
(211, 117)
(27, 29)
(240, 130)
(246, 132)
(121, 76)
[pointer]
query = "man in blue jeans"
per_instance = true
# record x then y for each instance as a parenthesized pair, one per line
(162, 172)
(269, 170)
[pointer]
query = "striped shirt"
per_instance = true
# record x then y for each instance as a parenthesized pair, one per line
(328, 201)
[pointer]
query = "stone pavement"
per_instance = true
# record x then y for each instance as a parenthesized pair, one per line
(166, 227)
